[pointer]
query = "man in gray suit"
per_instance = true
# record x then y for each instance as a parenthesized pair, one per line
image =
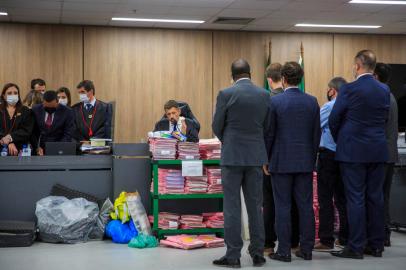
(241, 117)
(382, 74)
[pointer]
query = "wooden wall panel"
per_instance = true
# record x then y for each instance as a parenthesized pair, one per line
(388, 49)
(53, 53)
(140, 69)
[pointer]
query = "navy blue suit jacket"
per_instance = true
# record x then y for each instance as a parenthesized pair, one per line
(294, 133)
(61, 129)
(357, 121)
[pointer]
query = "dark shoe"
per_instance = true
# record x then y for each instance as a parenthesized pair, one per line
(373, 252)
(224, 262)
(258, 261)
(387, 243)
(348, 254)
(305, 256)
(283, 258)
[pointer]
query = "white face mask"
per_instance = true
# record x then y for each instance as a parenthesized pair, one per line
(63, 101)
(83, 98)
(12, 99)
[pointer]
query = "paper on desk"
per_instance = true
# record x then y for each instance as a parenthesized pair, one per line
(192, 168)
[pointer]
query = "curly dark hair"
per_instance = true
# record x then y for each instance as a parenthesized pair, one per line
(292, 72)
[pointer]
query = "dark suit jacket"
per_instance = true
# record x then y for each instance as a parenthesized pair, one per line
(186, 112)
(242, 115)
(101, 125)
(23, 126)
(192, 134)
(294, 132)
(61, 128)
(357, 121)
(391, 130)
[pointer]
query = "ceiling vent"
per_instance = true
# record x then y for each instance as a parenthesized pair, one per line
(233, 20)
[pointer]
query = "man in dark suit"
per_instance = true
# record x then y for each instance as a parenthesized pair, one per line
(293, 139)
(382, 74)
(92, 116)
(186, 112)
(240, 119)
(357, 123)
(179, 126)
(274, 77)
(54, 122)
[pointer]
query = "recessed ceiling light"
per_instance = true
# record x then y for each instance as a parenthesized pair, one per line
(377, 2)
(155, 20)
(3, 13)
(336, 25)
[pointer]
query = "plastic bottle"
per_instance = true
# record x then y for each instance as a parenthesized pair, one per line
(26, 152)
(4, 151)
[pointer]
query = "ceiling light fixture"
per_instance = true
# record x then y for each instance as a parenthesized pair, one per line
(154, 20)
(376, 2)
(336, 25)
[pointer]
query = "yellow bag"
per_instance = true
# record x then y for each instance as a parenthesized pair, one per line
(121, 208)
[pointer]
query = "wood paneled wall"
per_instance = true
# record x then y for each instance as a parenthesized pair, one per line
(140, 69)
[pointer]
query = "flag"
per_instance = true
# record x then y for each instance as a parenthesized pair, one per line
(267, 63)
(301, 63)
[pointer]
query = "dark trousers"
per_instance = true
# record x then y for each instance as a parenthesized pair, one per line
(269, 216)
(363, 184)
(386, 194)
(301, 186)
(329, 186)
(250, 180)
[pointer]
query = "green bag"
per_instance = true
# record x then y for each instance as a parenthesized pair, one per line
(143, 241)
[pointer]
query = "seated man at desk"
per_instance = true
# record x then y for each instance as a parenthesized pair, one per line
(54, 122)
(92, 116)
(186, 112)
(177, 124)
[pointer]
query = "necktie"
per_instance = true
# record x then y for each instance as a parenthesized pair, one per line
(48, 121)
(89, 107)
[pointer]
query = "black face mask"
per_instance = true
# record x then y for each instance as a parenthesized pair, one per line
(50, 110)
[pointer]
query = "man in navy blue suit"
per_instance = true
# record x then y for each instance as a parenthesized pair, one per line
(293, 141)
(357, 123)
(54, 122)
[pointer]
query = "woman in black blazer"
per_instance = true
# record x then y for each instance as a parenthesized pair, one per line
(16, 120)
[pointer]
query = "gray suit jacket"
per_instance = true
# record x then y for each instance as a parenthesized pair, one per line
(241, 117)
(391, 130)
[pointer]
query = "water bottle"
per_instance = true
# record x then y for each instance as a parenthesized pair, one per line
(26, 152)
(4, 151)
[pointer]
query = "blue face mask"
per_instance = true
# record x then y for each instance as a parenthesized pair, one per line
(83, 98)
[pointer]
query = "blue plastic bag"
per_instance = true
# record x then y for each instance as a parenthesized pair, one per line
(121, 233)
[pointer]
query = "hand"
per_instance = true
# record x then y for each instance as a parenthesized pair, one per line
(40, 151)
(184, 126)
(265, 168)
(12, 149)
(6, 140)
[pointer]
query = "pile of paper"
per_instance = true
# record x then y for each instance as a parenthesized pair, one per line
(213, 220)
(191, 221)
(316, 206)
(183, 242)
(214, 180)
(166, 221)
(196, 184)
(170, 181)
(163, 148)
(188, 151)
(210, 148)
(211, 241)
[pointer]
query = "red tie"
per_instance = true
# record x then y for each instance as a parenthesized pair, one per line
(48, 122)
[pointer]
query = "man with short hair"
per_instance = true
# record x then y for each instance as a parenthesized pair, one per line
(38, 87)
(329, 183)
(382, 74)
(357, 123)
(53, 122)
(293, 141)
(178, 125)
(274, 77)
(240, 121)
(92, 116)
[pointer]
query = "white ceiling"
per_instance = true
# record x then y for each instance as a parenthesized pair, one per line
(270, 15)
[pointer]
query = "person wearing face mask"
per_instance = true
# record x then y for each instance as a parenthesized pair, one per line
(34, 96)
(92, 116)
(176, 124)
(64, 97)
(357, 123)
(54, 122)
(329, 182)
(16, 120)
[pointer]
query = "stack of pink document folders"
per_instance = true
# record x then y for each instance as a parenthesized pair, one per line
(213, 220)
(191, 222)
(192, 241)
(188, 151)
(166, 221)
(210, 148)
(214, 180)
(170, 181)
(196, 184)
(163, 148)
